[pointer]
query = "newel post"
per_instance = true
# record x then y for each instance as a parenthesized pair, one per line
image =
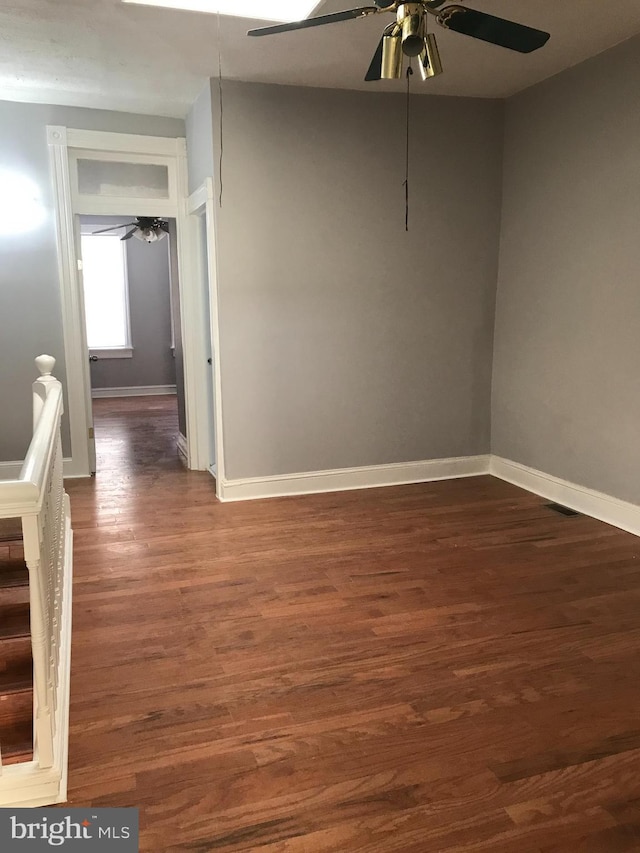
(34, 558)
(43, 384)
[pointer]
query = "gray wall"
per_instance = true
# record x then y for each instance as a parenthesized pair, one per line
(29, 290)
(200, 142)
(344, 340)
(200, 160)
(566, 390)
(152, 362)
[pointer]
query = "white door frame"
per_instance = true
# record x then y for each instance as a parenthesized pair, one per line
(202, 203)
(65, 144)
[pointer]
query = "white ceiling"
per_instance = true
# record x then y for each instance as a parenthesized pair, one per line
(107, 54)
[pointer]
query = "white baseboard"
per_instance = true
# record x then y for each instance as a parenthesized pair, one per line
(182, 448)
(133, 391)
(367, 477)
(606, 508)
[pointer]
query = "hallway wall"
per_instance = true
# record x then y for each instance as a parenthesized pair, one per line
(566, 395)
(29, 286)
(344, 340)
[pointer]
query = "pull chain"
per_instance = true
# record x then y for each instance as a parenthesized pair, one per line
(406, 173)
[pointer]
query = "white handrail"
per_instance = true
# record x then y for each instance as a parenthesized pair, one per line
(17, 498)
(23, 496)
(38, 458)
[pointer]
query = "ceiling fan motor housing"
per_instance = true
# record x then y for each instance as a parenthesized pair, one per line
(411, 17)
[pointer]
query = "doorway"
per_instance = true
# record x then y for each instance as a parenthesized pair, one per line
(105, 174)
(201, 207)
(137, 386)
(203, 275)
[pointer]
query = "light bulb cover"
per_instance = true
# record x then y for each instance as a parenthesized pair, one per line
(391, 56)
(430, 62)
(149, 235)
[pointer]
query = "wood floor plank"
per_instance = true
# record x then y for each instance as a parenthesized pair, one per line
(438, 668)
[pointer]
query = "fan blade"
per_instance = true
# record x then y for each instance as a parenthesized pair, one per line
(498, 31)
(361, 12)
(113, 228)
(130, 234)
(375, 69)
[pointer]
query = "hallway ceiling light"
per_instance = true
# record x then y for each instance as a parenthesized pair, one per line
(267, 10)
(149, 229)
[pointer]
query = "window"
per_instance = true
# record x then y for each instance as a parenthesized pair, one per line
(106, 301)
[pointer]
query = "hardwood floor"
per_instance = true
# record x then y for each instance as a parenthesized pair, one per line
(442, 667)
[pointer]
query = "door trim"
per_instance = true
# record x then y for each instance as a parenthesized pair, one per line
(62, 143)
(76, 368)
(201, 203)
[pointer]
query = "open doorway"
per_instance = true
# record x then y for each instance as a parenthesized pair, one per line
(204, 266)
(201, 209)
(107, 174)
(134, 343)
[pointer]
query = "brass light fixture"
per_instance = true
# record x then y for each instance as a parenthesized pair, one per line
(403, 39)
(392, 54)
(430, 63)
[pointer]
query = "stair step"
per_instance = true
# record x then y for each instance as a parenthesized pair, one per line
(14, 620)
(16, 726)
(11, 555)
(16, 667)
(13, 572)
(10, 529)
(12, 596)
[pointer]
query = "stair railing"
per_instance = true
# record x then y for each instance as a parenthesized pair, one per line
(38, 498)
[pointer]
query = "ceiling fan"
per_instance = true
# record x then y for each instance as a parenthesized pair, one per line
(149, 229)
(408, 34)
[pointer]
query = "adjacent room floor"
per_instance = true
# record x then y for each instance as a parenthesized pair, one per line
(422, 669)
(135, 434)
